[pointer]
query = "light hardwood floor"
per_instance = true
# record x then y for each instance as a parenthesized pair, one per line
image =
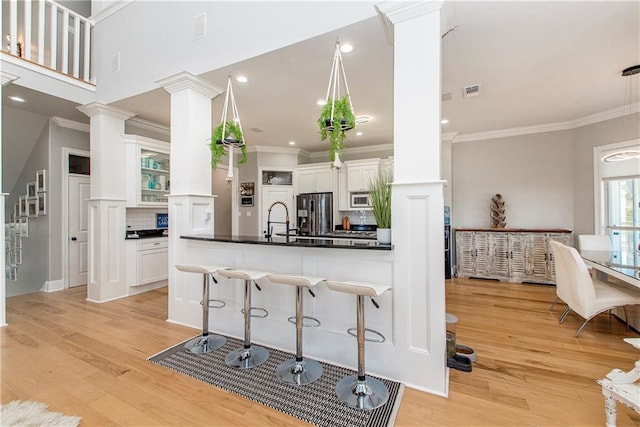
(90, 360)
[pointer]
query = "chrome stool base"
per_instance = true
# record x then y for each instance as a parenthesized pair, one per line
(205, 344)
(247, 358)
(301, 372)
(362, 394)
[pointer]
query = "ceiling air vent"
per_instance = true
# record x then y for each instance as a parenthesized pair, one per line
(256, 130)
(446, 96)
(471, 90)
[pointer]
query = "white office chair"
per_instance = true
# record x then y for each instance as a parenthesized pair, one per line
(584, 295)
(594, 242)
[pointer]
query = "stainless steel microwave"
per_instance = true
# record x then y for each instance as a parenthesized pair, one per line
(360, 200)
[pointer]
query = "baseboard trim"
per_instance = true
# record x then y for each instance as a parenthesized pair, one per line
(53, 286)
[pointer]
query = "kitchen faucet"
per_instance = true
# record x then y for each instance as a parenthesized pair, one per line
(269, 231)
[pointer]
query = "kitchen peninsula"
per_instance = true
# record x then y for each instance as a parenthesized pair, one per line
(337, 259)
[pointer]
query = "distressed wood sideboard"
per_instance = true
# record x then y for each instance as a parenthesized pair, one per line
(510, 255)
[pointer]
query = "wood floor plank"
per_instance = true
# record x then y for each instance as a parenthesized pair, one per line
(90, 360)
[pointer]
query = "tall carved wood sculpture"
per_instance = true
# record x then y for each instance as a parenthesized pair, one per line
(498, 218)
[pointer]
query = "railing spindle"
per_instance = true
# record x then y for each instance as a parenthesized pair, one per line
(53, 32)
(87, 51)
(65, 42)
(26, 48)
(41, 37)
(76, 47)
(13, 26)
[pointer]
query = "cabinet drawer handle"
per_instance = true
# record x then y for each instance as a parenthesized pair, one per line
(157, 243)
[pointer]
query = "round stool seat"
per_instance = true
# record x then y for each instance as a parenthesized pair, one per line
(243, 274)
(202, 269)
(358, 288)
(206, 343)
(305, 281)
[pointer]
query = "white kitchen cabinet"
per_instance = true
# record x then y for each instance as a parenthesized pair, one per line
(147, 260)
(515, 255)
(360, 173)
(314, 179)
(343, 192)
(147, 171)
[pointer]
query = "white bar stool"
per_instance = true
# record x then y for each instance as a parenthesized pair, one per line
(358, 391)
(299, 371)
(248, 356)
(205, 343)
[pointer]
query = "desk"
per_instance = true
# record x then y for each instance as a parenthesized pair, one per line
(609, 263)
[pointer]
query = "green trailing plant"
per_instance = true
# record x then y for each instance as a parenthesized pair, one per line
(380, 195)
(336, 129)
(233, 137)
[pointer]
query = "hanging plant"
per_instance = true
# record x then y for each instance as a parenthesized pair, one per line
(232, 138)
(335, 120)
(228, 135)
(337, 115)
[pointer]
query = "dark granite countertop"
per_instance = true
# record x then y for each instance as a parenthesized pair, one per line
(146, 234)
(293, 241)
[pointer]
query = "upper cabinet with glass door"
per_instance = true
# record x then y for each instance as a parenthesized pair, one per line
(147, 170)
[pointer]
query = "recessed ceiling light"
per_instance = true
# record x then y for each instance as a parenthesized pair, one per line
(321, 102)
(358, 133)
(346, 47)
(444, 121)
(292, 143)
(17, 99)
(242, 79)
(362, 119)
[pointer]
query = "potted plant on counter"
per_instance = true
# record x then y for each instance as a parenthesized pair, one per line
(380, 194)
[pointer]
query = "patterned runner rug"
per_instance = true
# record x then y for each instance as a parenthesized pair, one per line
(315, 403)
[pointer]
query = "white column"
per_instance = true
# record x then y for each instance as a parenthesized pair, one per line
(190, 201)
(107, 206)
(417, 204)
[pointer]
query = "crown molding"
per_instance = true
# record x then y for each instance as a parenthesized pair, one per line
(550, 127)
(186, 80)
(7, 78)
(369, 149)
(394, 12)
(70, 124)
(139, 123)
(109, 10)
(277, 150)
(96, 108)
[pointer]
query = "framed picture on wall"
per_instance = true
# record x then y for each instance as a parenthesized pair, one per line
(18, 256)
(42, 204)
(23, 227)
(22, 205)
(16, 212)
(31, 190)
(32, 207)
(41, 180)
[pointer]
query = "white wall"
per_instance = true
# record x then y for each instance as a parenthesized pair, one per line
(534, 174)
(546, 179)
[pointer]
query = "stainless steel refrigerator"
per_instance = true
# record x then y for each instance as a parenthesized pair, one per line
(314, 213)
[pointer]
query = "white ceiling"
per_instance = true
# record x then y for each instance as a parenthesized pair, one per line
(536, 63)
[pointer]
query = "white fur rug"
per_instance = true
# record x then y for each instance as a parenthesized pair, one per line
(33, 414)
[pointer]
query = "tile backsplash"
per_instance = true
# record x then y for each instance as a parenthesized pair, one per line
(142, 218)
(356, 217)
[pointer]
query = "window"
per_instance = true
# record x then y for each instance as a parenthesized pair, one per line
(622, 198)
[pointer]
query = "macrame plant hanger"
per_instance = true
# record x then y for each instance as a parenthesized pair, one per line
(333, 93)
(238, 140)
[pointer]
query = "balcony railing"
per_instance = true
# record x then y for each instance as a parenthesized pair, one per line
(48, 34)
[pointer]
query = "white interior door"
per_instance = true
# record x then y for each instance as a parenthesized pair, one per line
(277, 193)
(79, 187)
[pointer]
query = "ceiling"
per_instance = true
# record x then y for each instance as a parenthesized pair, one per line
(536, 63)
